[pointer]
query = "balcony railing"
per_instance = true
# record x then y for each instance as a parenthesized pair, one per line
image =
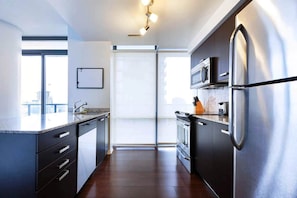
(33, 108)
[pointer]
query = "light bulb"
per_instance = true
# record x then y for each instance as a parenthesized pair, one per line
(146, 2)
(153, 17)
(143, 30)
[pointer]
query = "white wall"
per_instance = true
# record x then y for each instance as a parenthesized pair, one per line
(10, 58)
(89, 54)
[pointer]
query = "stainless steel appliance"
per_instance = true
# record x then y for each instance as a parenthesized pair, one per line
(223, 108)
(86, 154)
(263, 99)
(201, 74)
(183, 146)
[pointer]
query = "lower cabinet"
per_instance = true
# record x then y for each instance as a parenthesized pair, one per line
(101, 143)
(64, 185)
(213, 158)
(39, 165)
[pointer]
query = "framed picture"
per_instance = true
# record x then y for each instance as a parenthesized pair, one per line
(89, 78)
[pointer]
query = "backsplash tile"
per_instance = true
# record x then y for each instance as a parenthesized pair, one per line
(210, 98)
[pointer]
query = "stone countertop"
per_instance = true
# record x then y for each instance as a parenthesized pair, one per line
(213, 118)
(37, 124)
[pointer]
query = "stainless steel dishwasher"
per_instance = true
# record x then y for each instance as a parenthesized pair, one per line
(86, 156)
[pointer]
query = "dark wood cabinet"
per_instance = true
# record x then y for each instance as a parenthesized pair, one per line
(204, 149)
(63, 185)
(100, 154)
(58, 150)
(214, 156)
(222, 161)
(217, 46)
(39, 165)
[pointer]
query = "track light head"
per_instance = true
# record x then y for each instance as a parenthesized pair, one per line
(147, 2)
(152, 17)
(143, 30)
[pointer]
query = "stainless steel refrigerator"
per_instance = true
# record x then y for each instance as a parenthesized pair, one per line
(263, 98)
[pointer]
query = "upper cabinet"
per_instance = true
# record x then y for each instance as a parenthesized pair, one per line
(217, 45)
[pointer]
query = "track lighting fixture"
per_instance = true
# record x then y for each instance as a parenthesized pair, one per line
(150, 16)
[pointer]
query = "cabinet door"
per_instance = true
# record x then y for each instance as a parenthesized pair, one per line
(203, 149)
(106, 132)
(100, 140)
(223, 161)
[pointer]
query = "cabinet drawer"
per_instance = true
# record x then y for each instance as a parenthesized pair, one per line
(60, 150)
(51, 138)
(55, 168)
(64, 185)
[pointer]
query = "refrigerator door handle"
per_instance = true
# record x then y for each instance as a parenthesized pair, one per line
(239, 28)
(238, 145)
(234, 87)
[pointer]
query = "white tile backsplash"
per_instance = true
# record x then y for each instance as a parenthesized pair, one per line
(210, 98)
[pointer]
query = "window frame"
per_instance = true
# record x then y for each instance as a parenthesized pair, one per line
(43, 53)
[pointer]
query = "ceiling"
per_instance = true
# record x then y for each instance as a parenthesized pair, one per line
(111, 20)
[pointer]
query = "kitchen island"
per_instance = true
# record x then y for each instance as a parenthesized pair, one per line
(39, 154)
(38, 124)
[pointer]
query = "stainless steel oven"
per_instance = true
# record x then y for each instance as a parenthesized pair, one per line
(183, 146)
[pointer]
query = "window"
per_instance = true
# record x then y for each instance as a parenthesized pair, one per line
(148, 88)
(44, 76)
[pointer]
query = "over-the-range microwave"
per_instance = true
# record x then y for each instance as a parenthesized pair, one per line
(203, 75)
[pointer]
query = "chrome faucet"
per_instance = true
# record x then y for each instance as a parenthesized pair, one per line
(76, 109)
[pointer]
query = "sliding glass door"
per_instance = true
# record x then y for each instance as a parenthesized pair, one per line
(44, 84)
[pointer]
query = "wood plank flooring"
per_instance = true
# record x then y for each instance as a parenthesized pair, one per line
(148, 173)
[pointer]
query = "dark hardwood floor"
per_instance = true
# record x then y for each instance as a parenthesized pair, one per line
(144, 173)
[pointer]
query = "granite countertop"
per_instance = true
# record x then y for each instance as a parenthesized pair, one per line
(214, 118)
(37, 124)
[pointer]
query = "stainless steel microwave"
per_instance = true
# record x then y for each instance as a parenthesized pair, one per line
(202, 74)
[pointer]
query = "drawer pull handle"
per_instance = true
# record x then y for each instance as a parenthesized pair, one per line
(225, 132)
(201, 123)
(64, 175)
(64, 134)
(64, 149)
(224, 74)
(64, 163)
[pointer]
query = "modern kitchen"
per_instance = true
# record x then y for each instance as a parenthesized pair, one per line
(201, 102)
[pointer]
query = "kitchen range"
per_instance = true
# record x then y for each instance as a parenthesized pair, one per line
(186, 134)
(183, 145)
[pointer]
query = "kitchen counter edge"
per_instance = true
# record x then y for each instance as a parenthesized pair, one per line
(38, 124)
(213, 118)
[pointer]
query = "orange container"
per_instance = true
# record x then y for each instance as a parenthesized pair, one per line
(199, 108)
